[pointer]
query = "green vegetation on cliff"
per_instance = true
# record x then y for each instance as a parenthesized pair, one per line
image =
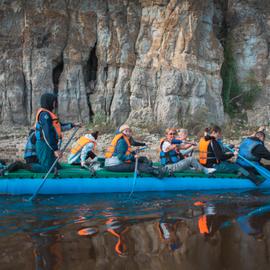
(237, 96)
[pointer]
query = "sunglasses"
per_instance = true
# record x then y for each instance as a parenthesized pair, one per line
(171, 133)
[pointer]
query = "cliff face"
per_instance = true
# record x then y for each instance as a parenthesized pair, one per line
(137, 60)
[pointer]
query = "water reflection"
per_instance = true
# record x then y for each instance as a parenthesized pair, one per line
(151, 231)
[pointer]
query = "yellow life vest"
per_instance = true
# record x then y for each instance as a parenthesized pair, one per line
(79, 144)
(55, 121)
(111, 148)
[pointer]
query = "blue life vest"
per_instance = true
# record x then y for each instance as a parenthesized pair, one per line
(245, 151)
(30, 146)
(169, 157)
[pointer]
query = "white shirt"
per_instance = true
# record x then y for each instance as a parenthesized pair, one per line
(165, 145)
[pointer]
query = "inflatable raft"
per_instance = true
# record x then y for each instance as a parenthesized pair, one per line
(74, 180)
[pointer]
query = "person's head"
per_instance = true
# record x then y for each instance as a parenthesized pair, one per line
(95, 134)
(170, 133)
(182, 133)
(260, 135)
(125, 129)
(215, 131)
(48, 101)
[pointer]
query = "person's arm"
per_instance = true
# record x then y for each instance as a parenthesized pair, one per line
(121, 149)
(261, 151)
(219, 154)
(187, 151)
(66, 126)
(69, 126)
(48, 130)
(135, 143)
(176, 141)
(87, 151)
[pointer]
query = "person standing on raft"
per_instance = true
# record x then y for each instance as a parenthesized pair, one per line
(49, 131)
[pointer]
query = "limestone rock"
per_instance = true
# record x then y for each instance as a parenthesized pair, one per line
(141, 61)
(249, 23)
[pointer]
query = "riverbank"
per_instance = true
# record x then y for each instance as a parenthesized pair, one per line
(13, 138)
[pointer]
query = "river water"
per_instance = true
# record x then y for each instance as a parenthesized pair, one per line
(171, 230)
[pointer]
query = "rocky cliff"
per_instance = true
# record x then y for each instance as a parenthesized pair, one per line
(143, 61)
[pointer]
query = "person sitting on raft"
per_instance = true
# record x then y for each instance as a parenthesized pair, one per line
(186, 148)
(83, 149)
(30, 157)
(173, 160)
(211, 154)
(120, 158)
(253, 149)
(49, 131)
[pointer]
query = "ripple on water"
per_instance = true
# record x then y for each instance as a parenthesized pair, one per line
(116, 226)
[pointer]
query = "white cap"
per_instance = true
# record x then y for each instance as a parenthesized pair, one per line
(123, 127)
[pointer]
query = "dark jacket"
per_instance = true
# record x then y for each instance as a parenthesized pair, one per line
(260, 150)
(122, 147)
(215, 153)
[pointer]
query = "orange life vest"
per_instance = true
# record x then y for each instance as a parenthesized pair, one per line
(55, 121)
(79, 144)
(203, 150)
(202, 224)
(120, 246)
(111, 148)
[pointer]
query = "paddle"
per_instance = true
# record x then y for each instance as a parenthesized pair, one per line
(244, 223)
(53, 165)
(262, 171)
(134, 176)
(136, 169)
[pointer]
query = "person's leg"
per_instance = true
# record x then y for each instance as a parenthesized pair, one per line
(37, 168)
(45, 155)
(17, 165)
(181, 165)
(227, 167)
(125, 167)
(145, 168)
(186, 164)
(145, 160)
(142, 168)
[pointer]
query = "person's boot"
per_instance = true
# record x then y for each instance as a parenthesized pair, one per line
(256, 179)
(167, 171)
